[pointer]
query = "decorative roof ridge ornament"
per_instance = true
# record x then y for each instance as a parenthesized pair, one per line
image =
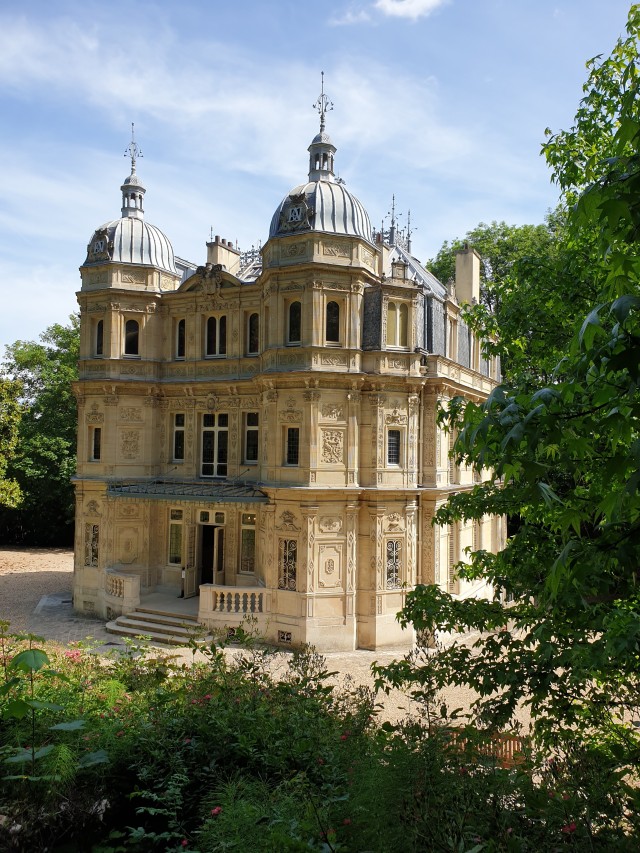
(323, 105)
(133, 150)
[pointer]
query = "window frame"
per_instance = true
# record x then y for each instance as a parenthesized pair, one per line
(219, 347)
(95, 444)
(287, 573)
(176, 523)
(291, 341)
(178, 431)
(98, 339)
(336, 323)
(292, 446)
(400, 446)
(130, 336)
(253, 430)
(180, 341)
(249, 333)
(219, 444)
(246, 525)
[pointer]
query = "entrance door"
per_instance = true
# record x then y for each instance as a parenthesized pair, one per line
(211, 554)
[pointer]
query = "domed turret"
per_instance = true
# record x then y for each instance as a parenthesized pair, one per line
(323, 203)
(131, 240)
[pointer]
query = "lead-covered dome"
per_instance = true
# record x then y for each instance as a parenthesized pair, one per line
(323, 203)
(131, 240)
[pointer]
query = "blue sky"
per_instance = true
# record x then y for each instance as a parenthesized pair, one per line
(442, 102)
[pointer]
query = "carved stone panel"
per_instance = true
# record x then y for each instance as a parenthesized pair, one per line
(330, 566)
(332, 446)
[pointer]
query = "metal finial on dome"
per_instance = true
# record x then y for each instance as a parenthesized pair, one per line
(323, 105)
(133, 150)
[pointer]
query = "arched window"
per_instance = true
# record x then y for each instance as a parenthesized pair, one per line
(332, 326)
(99, 340)
(253, 334)
(181, 342)
(216, 343)
(392, 325)
(294, 335)
(131, 337)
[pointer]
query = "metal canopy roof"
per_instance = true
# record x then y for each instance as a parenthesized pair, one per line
(198, 491)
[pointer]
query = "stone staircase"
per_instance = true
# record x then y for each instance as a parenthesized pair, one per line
(171, 629)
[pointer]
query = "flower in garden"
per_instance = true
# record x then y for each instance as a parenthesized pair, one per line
(346, 821)
(215, 812)
(185, 843)
(569, 828)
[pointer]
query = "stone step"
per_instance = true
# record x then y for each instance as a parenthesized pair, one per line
(168, 629)
(159, 617)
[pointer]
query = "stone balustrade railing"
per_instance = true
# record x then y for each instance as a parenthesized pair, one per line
(230, 605)
(122, 592)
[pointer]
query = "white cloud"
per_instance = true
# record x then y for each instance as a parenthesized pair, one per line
(352, 16)
(413, 9)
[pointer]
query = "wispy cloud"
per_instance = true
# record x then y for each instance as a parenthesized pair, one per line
(412, 9)
(352, 16)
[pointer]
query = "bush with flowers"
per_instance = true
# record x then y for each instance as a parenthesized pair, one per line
(261, 752)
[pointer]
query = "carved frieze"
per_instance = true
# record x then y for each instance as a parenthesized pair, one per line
(331, 524)
(332, 412)
(336, 250)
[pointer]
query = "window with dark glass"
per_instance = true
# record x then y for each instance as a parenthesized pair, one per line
(394, 564)
(293, 446)
(253, 334)
(216, 336)
(99, 337)
(251, 432)
(332, 332)
(131, 337)
(96, 444)
(393, 447)
(215, 445)
(175, 536)
(178, 437)
(294, 335)
(181, 339)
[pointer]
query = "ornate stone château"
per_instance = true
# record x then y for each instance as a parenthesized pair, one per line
(262, 430)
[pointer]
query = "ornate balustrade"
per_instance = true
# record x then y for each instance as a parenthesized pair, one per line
(230, 605)
(122, 592)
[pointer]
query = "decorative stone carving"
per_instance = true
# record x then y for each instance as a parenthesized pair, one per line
(331, 524)
(295, 250)
(395, 418)
(291, 416)
(333, 360)
(133, 278)
(287, 522)
(395, 522)
(94, 416)
(332, 446)
(333, 412)
(131, 414)
(92, 508)
(130, 443)
(336, 250)
(166, 282)
(312, 396)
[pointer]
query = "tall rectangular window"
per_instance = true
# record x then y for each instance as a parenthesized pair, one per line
(95, 444)
(215, 445)
(181, 338)
(287, 563)
(393, 447)
(178, 437)
(294, 323)
(394, 564)
(253, 334)
(251, 432)
(248, 543)
(99, 338)
(292, 455)
(175, 537)
(131, 337)
(216, 336)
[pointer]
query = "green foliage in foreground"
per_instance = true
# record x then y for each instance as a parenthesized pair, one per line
(260, 753)
(10, 414)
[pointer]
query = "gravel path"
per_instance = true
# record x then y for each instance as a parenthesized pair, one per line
(35, 597)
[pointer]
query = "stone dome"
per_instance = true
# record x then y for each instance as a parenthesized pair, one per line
(131, 241)
(324, 203)
(321, 206)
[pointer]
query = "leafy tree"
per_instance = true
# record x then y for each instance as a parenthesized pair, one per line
(535, 281)
(44, 459)
(565, 457)
(10, 413)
